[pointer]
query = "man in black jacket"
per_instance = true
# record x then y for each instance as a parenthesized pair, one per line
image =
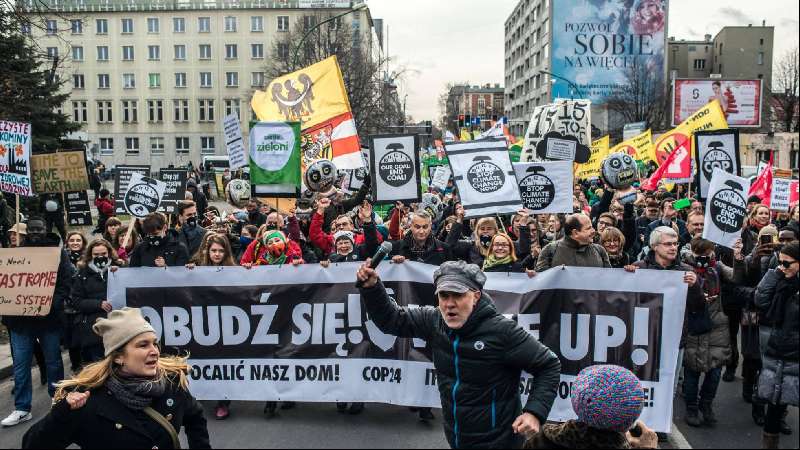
(160, 247)
(479, 356)
(24, 331)
(191, 234)
(419, 245)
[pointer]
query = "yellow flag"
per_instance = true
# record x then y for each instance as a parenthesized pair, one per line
(311, 96)
(599, 151)
(709, 117)
(640, 147)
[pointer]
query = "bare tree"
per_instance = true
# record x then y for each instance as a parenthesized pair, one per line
(643, 98)
(371, 90)
(786, 78)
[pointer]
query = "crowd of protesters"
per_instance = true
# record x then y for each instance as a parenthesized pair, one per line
(741, 306)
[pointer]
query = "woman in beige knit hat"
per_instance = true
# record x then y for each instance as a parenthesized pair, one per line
(133, 398)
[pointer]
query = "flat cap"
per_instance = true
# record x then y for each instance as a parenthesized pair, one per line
(458, 277)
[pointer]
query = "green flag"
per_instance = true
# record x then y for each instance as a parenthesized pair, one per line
(275, 159)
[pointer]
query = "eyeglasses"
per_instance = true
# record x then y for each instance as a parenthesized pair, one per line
(787, 264)
(501, 245)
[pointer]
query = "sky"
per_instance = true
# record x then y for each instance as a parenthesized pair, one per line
(441, 41)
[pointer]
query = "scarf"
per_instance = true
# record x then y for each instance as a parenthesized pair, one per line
(135, 393)
(492, 261)
(102, 272)
(757, 226)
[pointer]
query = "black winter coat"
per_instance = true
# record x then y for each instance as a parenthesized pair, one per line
(104, 422)
(192, 238)
(89, 291)
(777, 299)
(436, 252)
(172, 250)
(478, 368)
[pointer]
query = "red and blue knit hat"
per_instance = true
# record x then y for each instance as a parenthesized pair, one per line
(608, 398)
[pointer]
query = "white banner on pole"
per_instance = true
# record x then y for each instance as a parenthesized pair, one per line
(234, 143)
(546, 187)
(726, 209)
(781, 192)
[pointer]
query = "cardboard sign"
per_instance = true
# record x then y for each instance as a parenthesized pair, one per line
(395, 168)
(564, 120)
(234, 143)
(27, 280)
(715, 149)
(143, 196)
(175, 192)
(79, 213)
(59, 172)
(441, 176)
(545, 187)
(484, 177)
(781, 193)
(15, 158)
(726, 209)
(121, 180)
(355, 179)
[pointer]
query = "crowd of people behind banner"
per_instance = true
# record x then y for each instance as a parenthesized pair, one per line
(742, 303)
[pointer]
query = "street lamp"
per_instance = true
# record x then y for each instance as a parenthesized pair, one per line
(571, 84)
(358, 8)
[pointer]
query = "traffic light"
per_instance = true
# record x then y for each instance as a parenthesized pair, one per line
(428, 127)
(461, 121)
(468, 120)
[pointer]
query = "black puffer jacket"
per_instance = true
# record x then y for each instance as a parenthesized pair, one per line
(89, 291)
(435, 252)
(777, 299)
(172, 250)
(478, 368)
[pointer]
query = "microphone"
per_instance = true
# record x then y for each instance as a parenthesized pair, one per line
(379, 256)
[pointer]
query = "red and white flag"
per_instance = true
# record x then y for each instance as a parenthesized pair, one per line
(677, 168)
(762, 187)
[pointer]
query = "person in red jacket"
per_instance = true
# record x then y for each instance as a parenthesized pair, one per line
(272, 248)
(325, 241)
(105, 209)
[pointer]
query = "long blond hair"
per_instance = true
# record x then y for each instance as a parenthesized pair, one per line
(93, 376)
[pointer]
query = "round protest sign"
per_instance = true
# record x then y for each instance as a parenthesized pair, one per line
(729, 208)
(716, 157)
(485, 176)
(273, 149)
(396, 168)
(537, 190)
(141, 198)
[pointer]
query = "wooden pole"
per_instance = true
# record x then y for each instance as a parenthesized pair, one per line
(16, 210)
(128, 234)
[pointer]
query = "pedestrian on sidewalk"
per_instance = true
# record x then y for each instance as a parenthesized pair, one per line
(133, 398)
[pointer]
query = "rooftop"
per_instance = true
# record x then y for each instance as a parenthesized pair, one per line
(172, 5)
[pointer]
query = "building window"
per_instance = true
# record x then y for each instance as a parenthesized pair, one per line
(132, 146)
(761, 41)
(257, 51)
(78, 81)
(182, 145)
(51, 27)
(157, 146)
(204, 24)
(205, 51)
(283, 23)
(127, 53)
(205, 79)
(206, 110)
(104, 109)
(154, 80)
(207, 145)
(760, 59)
(720, 48)
(102, 53)
(699, 64)
(76, 25)
(103, 81)
(178, 25)
(79, 112)
(101, 26)
(153, 52)
(232, 106)
(153, 25)
(25, 28)
(180, 52)
(180, 110)
(257, 79)
(129, 81)
(52, 52)
(180, 79)
(77, 53)
(257, 24)
(130, 111)
(155, 111)
(231, 51)
(309, 22)
(794, 162)
(230, 24)
(762, 155)
(127, 26)
(106, 146)
(231, 79)
(283, 50)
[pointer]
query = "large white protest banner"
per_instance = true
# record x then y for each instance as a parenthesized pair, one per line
(546, 187)
(484, 177)
(234, 143)
(726, 210)
(781, 193)
(302, 333)
(394, 164)
(718, 148)
(15, 158)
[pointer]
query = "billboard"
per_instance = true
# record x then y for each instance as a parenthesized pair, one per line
(740, 99)
(596, 43)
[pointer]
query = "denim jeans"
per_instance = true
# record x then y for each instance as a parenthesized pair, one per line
(691, 382)
(22, 343)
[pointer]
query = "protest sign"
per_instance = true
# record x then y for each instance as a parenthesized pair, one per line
(484, 177)
(122, 178)
(709, 117)
(354, 179)
(794, 193)
(639, 147)
(679, 165)
(598, 152)
(175, 191)
(59, 172)
(726, 210)
(15, 158)
(441, 176)
(143, 196)
(275, 159)
(302, 333)
(27, 280)
(569, 118)
(79, 212)
(714, 149)
(234, 144)
(781, 193)
(394, 164)
(545, 187)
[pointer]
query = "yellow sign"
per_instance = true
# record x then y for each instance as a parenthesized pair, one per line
(465, 135)
(599, 151)
(310, 96)
(28, 280)
(709, 117)
(640, 147)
